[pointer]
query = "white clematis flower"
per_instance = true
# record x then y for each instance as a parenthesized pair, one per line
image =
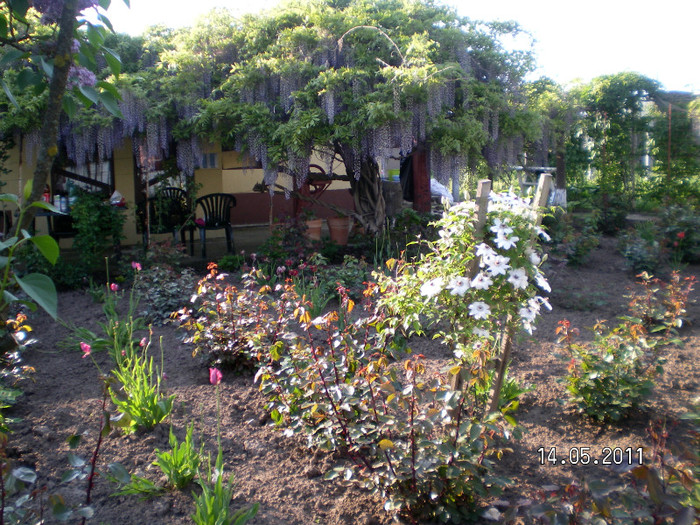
(498, 265)
(481, 281)
(432, 288)
(479, 310)
(459, 286)
(518, 278)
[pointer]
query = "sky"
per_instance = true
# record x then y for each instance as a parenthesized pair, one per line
(573, 41)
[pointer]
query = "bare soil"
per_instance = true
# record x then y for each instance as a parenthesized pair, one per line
(278, 472)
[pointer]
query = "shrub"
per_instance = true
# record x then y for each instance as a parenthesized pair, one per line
(98, 226)
(165, 289)
(641, 248)
(573, 242)
(227, 321)
(350, 275)
(660, 306)
(614, 374)
(610, 213)
(681, 230)
(410, 438)
(287, 244)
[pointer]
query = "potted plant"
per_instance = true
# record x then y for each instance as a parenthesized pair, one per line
(339, 229)
(313, 225)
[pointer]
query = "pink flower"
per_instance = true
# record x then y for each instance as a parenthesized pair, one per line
(681, 235)
(143, 342)
(136, 266)
(86, 349)
(114, 287)
(215, 376)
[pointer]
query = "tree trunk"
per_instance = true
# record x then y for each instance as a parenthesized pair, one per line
(48, 147)
(559, 197)
(366, 190)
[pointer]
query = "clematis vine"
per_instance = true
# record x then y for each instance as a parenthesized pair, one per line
(493, 276)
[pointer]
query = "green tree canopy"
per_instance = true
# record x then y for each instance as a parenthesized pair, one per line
(616, 122)
(351, 80)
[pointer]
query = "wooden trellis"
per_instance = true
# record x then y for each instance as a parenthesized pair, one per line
(482, 202)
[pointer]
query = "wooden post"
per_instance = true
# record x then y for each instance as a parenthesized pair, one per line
(421, 182)
(538, 202)
(482, 208)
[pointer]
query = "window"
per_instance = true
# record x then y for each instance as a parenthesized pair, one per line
(209, 161)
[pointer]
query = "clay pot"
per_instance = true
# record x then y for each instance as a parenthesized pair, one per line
(313, 229)
(339, 229)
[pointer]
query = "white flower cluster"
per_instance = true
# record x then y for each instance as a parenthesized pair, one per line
(517, 264)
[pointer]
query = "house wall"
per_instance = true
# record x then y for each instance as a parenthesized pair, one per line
(234, 173)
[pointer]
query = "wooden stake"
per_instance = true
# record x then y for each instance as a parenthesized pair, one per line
(538, 203)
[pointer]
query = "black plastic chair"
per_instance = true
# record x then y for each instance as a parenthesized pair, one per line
(170, 211)
(216, 215)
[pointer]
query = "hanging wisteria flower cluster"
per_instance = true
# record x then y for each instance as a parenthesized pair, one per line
(51, 9)
(474, 281)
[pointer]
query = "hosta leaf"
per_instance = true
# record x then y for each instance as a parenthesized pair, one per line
(40, 289)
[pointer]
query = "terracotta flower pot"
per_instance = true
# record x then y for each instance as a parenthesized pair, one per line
(313, 229)
(339, 229)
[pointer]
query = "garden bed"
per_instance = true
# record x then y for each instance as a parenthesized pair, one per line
(279, 472)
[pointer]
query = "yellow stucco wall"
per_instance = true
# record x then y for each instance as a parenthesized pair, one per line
(234, 173)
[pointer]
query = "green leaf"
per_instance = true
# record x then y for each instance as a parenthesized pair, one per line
(45, 206)
(85, 512)
(61, 512)
(74, 441)
(119, 472)
(47, 246)
(3, 26)
(104, 4)
(110, 103)
(24, 474)
(109, 87)
(95, 35)
(28, 189)
(47, 67)
(75, 461)
(27, 78)
(10, 56)
(113, 60)
(106, 21)
(40, 289)
(89, 93)
(9, 197)
(7, 243)
(9, 298)
(9, 94)
(19, 7)
(70, 475)
(69, 106)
